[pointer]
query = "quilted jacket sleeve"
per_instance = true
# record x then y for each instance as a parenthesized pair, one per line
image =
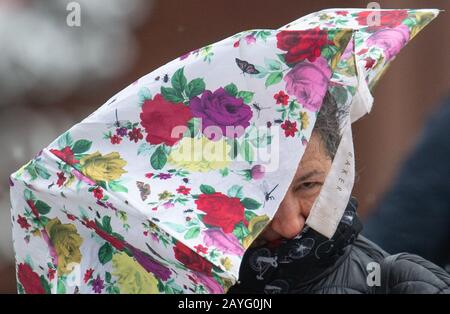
(405, 273)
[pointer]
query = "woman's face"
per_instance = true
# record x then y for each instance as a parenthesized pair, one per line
(303, 190)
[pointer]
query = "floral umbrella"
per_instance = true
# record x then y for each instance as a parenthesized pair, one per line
(163, 188)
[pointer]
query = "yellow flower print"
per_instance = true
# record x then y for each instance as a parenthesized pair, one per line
(69, 181)
(200, 154)
(67, 242)
(226, 262)
(103, 168)
(340, 41)
(165, 195)
(255, 226)
(304, 119)
(423, 18)
(132, 278)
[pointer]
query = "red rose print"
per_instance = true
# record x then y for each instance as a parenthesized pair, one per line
(115, 139)
(281, 97)
(183, 190)
(390, 18)
(201, 249)
(369, 63)
(191, 260)
(61, 179)
(66, 155)
(51, 274)
(301, 45)
(362, 51)
(135, 135)
(289, 128)
(343, 13)
(98, 193)
(30, 281)
(221, 211)
(88, 275)
(22, 221)
(159, 118)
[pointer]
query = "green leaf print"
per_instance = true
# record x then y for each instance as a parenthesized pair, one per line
(158, 158)
(179, 80)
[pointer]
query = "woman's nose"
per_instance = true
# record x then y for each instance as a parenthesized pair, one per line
(288, 220)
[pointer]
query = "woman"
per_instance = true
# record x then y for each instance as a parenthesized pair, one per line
(288, 257)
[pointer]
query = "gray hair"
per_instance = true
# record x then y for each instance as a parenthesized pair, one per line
(328, 124)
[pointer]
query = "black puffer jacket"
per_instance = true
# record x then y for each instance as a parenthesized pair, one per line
(347, 263)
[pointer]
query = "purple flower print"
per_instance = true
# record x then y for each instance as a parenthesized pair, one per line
(250, 39)
(222, 110)
(227, 243)
(390, 40)
(209, 282)
(348, 52)
(164, 176)
(97, 285)
(168, 204)
(122, 131)
(257, 172)
(149, 264)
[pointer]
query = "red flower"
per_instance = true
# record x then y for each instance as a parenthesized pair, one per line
(201, 249)
(301, 45)
(391, 18)
(159, 118)
(221, 210)
(149, 175)
(30, 281)
(22, 221)
(115, 139)
(183, 190)
(88, 275)
(135, 135)
(281, 97)
(362, 51)
(51, 274)
(343, 13)
(98, 193)
(289, 128)
(33, 208)
(61, 179)
(66, 155)
(369, 63)
(191, 260)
